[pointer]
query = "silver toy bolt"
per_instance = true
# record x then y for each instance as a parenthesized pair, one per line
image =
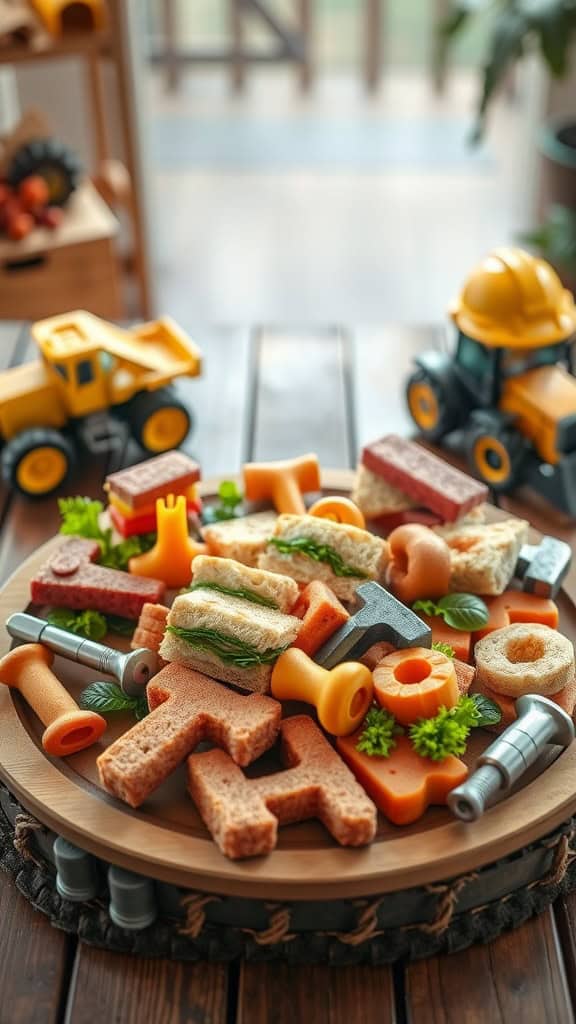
(540, 721)
(132, 670)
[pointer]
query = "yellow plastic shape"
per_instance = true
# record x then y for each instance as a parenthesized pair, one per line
(171, 557)
(341, 695)
(339, 510)
(282, 482)
(68, 728)
(61, 17)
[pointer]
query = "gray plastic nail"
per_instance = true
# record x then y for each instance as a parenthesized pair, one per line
(76, 873)
(132, 899)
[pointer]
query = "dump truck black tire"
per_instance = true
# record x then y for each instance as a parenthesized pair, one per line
(53, 161)
(430, 405)
(497, 455)
(158, 421)
(36, 462)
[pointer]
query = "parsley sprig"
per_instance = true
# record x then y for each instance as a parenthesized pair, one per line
(435, 738)
(318, 552)
(229, 497)
(81, 518)
(447, 733)
(378, 737)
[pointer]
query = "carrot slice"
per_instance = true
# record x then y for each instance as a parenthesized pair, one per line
(414, 683)
(404, 784)
(321, 614)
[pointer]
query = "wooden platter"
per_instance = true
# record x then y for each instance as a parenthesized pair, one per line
(166, 839)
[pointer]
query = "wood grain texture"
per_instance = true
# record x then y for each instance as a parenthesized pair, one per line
(109, 987)
(322, 995)
(518, 977)
(33, 959)
(565, 915)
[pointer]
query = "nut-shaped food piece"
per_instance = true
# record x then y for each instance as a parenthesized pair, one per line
(419, 563)
(524, 658)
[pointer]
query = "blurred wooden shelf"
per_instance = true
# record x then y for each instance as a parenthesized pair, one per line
(78, 45)
(75, 266)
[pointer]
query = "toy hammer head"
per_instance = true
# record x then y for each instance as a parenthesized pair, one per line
(282, 482)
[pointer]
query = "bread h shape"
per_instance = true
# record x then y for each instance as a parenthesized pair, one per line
(243, 814)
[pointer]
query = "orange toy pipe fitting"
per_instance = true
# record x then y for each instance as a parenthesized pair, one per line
(171, 557)
(68, 728)
(419, 563)
(341, 695)
(414, 683)
(283, 482)
(340, 510)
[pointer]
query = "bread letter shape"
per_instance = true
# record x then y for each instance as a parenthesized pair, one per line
(506, 609)
(307, 548)
(243, 814)
(72, 579)
(186, 708)
(404, 784)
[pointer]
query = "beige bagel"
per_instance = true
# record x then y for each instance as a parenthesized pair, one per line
(524, 658)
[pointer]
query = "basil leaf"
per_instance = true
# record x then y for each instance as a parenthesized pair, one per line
(489, 711)
(105, 697)
(141, 708)
(463, 611)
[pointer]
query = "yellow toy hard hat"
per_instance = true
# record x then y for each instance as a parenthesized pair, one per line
(514, 300)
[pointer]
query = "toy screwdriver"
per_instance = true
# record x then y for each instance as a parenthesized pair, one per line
(540, 721)
(132, 670)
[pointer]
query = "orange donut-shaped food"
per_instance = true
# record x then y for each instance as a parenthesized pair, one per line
(419, 563)
(340, 510)
(415, 683)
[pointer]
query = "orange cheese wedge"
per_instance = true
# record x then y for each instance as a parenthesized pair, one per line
(402, 785)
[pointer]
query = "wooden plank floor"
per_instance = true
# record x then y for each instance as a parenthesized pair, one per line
(273, 393)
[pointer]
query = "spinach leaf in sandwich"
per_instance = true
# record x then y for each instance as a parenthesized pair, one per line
(243, 592)
(229, 649)
(319, 553)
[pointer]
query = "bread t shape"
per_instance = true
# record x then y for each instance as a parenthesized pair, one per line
(186, 707)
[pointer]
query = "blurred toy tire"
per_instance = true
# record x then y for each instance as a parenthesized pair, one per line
(53, 161)
(497, 456)
(36, 462)
(429, 405)
(158, 421)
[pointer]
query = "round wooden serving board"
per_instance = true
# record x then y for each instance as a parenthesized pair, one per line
(166, 840)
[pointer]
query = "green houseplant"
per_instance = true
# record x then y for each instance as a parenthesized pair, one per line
(517, 28)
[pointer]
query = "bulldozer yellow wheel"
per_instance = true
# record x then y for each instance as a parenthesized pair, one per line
(164, 429)
(492, 460)
(41, 470)
(423, 405)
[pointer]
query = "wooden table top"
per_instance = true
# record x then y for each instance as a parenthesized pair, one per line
(271, 394)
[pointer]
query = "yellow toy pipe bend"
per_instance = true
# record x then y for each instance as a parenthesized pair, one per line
(341, 695)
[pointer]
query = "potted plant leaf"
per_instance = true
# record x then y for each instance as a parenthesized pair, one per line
(517, 28)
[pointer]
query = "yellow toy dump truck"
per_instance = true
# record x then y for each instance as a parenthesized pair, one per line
(92, 379)
(509, 386)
